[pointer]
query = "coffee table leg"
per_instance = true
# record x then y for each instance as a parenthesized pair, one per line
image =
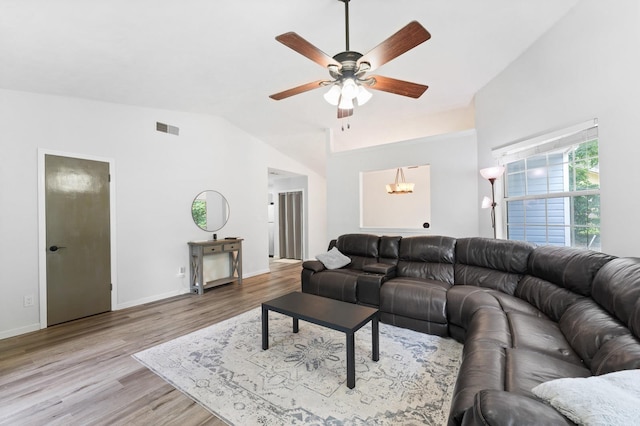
(351, 361)
(265, 328)
(295, 325)
(375, 341)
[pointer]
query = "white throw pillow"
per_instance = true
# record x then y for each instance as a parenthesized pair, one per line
(610, 399)
(333, 259)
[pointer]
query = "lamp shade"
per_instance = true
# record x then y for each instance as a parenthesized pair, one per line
(345, 102)
(492, 172)
(349, 88)
(333, 95)
(486, 202)
(363, 95)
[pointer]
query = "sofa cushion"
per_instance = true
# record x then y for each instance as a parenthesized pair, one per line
(494, 407)
(541, 335)
(333, 259)
(617, 289)
(621, 353)
(361, 248)
(527, 369)
(415, 298)
(547, 297)
(496, 264)
(389, 250)
(339, 284)
(571, 268)
(587, 327)
(463, 301)
(428, 257)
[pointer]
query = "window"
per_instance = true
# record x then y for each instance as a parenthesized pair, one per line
(552, 190)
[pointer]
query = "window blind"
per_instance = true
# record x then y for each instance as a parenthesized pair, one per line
(549, 141)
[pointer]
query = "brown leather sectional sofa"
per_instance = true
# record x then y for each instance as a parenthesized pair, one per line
(525, 314)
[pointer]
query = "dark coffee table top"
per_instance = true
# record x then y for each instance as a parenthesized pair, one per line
(334, 314)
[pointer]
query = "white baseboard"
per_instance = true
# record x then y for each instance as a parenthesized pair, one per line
(253, 274)
(150, 299)
(18, 331)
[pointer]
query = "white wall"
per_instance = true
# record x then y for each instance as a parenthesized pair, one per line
(157, 176)
(454, 192)
(587, 66)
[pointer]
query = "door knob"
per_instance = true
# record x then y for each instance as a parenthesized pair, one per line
(55, 248)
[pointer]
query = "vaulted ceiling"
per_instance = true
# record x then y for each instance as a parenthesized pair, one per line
(221, 58)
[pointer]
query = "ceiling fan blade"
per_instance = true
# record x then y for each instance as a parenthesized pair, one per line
(343, 113)
(398, 87)
(297, 90)
(405, 39)
(303, 47)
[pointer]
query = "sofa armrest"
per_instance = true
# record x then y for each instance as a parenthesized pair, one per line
(501, 408)
(380, 268)
(314, 265)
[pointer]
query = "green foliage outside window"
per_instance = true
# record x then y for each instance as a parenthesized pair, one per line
(583, 176)
(199, 213)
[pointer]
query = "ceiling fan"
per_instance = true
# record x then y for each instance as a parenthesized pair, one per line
(348, 69)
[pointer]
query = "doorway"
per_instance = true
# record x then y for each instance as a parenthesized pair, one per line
(290, 221)
(76, 237)
(287, 223)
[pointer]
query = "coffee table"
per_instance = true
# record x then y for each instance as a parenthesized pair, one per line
(334, 314)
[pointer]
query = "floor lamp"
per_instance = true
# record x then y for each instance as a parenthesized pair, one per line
(491, 174)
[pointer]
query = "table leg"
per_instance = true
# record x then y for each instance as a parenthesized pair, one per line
(265, 328)
(351, 361)
(375, 340)
(295, 325)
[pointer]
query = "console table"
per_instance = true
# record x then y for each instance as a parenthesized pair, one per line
(199, 249)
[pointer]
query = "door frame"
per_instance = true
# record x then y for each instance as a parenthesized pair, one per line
(42, 227)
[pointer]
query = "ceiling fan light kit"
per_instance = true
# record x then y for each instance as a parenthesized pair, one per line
(347, 69)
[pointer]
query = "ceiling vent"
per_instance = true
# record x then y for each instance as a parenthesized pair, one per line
(166, 128)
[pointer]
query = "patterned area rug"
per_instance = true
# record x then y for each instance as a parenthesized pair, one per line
(301, 378)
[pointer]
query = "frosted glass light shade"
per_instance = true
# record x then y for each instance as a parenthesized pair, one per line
(346, 102)
(349, 88)
(333, 95)
(492, 172)
(363, 95)
(486, 202)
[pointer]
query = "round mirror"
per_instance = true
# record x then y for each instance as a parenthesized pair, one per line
(210, 210)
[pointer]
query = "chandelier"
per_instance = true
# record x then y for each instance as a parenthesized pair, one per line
(400, 186)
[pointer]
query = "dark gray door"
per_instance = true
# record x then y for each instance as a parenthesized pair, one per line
(78, 238)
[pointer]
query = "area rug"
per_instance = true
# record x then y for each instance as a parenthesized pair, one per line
(301, 378)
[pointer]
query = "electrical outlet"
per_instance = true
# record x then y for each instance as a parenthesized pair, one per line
(181, 272)
(28, 300)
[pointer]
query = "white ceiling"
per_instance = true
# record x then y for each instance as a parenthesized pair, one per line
(221, 58)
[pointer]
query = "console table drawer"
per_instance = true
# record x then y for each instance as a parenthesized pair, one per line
(212, 249)
(229, 247)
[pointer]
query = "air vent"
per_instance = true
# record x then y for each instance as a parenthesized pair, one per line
(166, 128)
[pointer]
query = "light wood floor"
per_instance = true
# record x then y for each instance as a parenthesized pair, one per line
(82, 372)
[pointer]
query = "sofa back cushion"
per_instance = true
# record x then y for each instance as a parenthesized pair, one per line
(559, 276)
(587, 326)
(389, 250)
(361, 248)
(491, 263)
(428, 257)
(616, 289)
